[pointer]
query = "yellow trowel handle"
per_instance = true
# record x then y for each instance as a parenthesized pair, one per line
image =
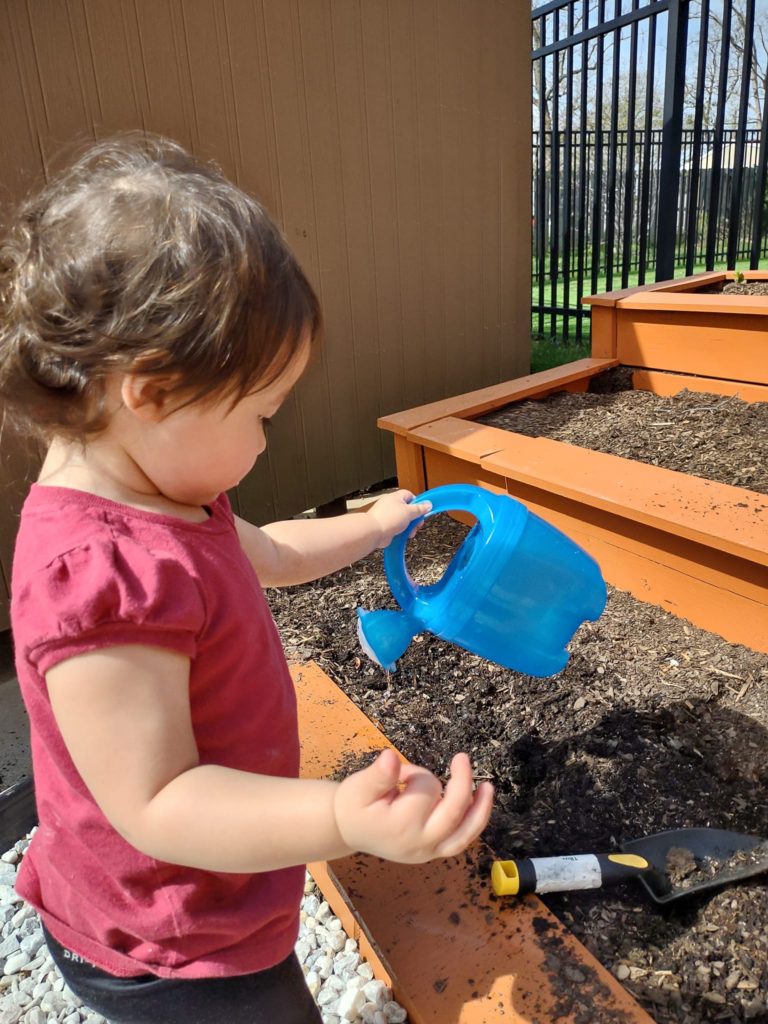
(563, 874)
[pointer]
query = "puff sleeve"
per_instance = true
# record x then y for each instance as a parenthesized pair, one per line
(104, 593)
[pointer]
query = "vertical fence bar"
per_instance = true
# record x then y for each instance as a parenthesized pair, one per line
(698, 121)
(554, 180)
(541, 184)
(716, 157)
(683, 200)
(584, 179)
(610, 205)
(645, 190)
(597, 194)
(610, 214)
(629, 169)
(759, 211)
(737, 172)
(669, 178)
(747, 204)
(567, 175)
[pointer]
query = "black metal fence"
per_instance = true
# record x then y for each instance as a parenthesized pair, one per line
(650, 132)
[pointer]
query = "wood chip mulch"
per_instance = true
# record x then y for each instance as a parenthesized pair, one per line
(654, 724)
(718, 437)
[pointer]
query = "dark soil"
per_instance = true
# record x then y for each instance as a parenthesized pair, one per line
(653, 725)
(739, 288)
(685, 870)
(718, 437)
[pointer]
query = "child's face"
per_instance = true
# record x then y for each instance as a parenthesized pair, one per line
(193, 454)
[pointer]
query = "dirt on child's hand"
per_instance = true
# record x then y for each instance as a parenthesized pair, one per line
(404, 813)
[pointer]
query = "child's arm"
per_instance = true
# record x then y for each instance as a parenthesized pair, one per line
(124, 715)
(300, 550)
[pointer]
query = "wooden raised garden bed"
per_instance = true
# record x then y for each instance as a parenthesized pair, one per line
(453, 953)
(687, 326)
(695, 547)
(653, 725)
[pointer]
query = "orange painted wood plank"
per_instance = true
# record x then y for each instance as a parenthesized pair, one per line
(660, 545)
(682, 284)
(717, 515)
(695, 280)
(455, 954)
(603, 332)
(466, 438)
(732, 348)
(697, 302)
(729, 518)
(673, 383)
(445, 469)
(726, 596)
(409, 464)
(476, 403)
(711, 588)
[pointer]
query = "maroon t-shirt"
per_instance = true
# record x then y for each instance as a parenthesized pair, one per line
(89, 573)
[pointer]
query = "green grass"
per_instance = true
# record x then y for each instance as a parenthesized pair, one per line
(549, 352)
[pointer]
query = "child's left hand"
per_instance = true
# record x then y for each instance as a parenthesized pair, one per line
(394, 512)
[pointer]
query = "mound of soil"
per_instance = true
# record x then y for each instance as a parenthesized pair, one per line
(718, 437)
(740, 288)
(653, 725)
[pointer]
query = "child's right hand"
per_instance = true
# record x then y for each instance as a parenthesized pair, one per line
(402, 812)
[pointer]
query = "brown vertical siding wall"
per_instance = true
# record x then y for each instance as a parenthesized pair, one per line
(391, 140)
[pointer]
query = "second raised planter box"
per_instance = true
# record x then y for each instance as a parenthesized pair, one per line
(690, 326)
(694, 546)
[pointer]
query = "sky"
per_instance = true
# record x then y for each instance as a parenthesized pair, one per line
(617, 7)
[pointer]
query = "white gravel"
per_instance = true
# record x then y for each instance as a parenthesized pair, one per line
(33, 992)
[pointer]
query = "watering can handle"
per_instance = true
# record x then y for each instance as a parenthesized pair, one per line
(450, 498)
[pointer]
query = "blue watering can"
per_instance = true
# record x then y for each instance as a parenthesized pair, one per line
(515, 592)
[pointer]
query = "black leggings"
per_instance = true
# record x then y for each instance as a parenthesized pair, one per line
(278, 994)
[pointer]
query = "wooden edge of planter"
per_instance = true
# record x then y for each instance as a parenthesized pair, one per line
(696, 302)
(476, 403)
(696, 577)
(612, 297)
(452, 951)
(731, 519)
(661, 383)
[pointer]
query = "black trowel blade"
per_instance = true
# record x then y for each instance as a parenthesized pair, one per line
(714, 858)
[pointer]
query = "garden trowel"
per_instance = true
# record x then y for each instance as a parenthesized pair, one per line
(668, 864)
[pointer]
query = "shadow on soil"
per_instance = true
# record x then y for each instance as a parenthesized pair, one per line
(691, 763)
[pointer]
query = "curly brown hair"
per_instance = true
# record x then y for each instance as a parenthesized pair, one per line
(141, 258)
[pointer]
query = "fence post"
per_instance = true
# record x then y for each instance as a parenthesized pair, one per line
(671, 139)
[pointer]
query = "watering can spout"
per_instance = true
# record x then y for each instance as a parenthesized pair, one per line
(384, 635)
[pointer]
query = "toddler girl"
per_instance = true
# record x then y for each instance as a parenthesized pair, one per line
(152, 320)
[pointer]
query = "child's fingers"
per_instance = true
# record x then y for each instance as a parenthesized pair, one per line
(394, 498)
(382, 776)
(419, 508)
(457, 799)
(415, 508)
(420, 788)
(473, 824)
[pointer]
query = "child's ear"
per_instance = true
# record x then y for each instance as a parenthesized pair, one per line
(150, 397)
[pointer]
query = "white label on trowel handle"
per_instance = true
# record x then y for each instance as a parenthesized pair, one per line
(559, 874)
